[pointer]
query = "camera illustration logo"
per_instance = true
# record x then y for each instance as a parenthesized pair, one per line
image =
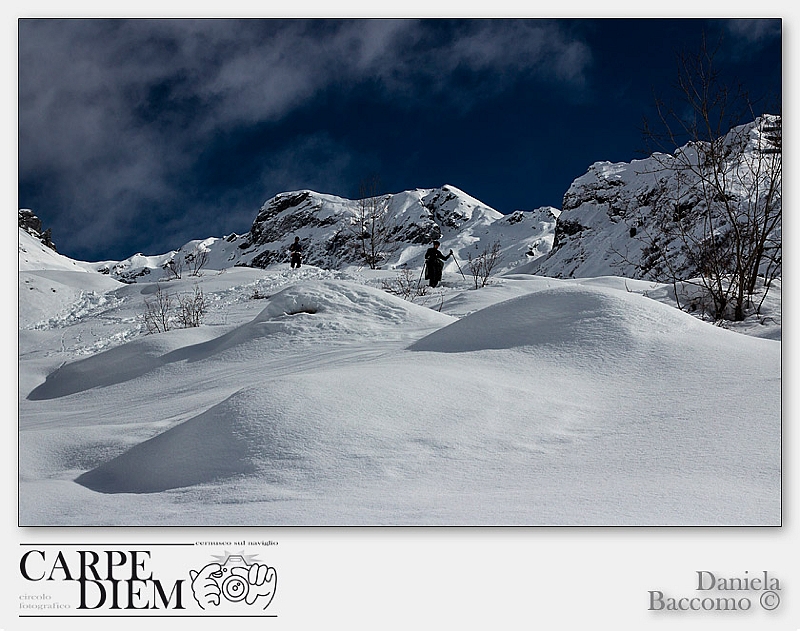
(238, 579)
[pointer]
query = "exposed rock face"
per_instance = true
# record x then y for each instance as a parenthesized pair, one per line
(31, 224)
(614, 218)
(331, 231)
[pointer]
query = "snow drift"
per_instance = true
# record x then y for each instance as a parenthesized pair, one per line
(578, 403)
(575, 319)
(329, 311)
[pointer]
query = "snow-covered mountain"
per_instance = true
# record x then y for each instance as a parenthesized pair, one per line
(327, 228)
(609, 223)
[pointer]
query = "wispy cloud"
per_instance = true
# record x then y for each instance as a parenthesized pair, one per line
(113, 111)
(754, 31)
(488, 55)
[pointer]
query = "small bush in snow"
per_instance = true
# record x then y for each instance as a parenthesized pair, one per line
(192, 308)
(482, 265)
(174, 268)
(162, 312)
(196, 261)
(405, 285)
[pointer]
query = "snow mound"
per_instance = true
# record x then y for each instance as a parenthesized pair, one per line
(213, 445)
(346, 304)
(355, 424)
(114, 366)
(306, 313)
(334, 311)
(577, 317)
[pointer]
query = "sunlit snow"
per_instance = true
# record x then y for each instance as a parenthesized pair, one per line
(314, 397)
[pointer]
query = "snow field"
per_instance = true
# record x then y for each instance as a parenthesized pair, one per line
(533, 401)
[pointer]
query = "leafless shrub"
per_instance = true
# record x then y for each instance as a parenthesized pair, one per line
(482, 265)
(196, 260)
(174, 268)
(373, 226)
(192, 308)
(162, 312)
(158, 311)
(406, 285)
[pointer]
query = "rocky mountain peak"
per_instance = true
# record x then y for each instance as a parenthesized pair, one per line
(31, 224)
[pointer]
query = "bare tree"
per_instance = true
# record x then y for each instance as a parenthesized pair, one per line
(174, 267)
(158, 311)
(372, 225)
(482, 265)
(723, 206)
(196, 260)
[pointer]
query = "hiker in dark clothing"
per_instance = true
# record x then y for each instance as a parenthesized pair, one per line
(295, 250)
(434, 264)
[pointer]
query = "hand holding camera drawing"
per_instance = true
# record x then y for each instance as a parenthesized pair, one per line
(236, 580)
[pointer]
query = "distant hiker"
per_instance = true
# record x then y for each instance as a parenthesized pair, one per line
(295, 250)
(434, 264)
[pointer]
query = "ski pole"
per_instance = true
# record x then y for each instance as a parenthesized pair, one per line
(419, 280)
(458, 266)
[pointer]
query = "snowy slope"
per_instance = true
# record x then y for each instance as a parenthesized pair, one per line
(533, 401)
(53, 286)
(34, 255)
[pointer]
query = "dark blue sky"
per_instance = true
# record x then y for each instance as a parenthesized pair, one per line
(137, 136)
